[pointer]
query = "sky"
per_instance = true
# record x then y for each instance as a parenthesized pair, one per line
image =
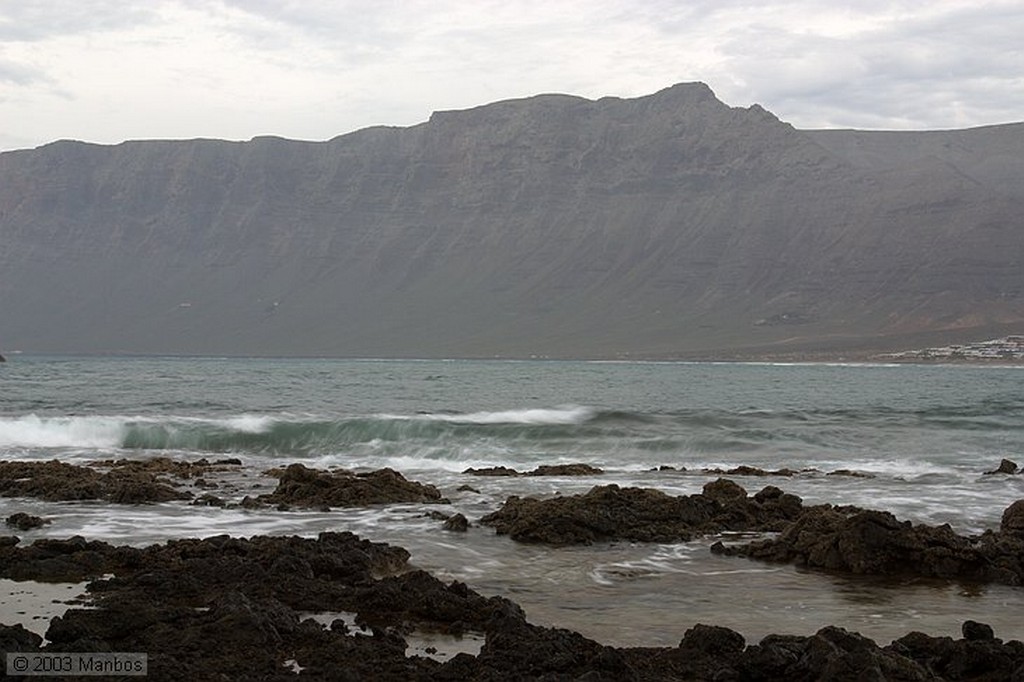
(106, 71)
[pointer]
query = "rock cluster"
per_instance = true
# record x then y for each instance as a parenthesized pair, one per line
(301, 486)
(642, 514)
(231, 608)
(57, 481)
(876, 543)
(575, 469)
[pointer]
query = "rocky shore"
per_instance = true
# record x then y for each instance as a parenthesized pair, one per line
(342, 607)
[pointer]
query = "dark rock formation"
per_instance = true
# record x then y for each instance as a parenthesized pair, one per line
(299, 485)
(673, 223)
(578, 469)
(1012, 523)
(1006, 466)
(612, 513)
(23, 521)
(56, 481)
(492, 471)
(744, 470)
(230, 608)
(876, 543)
(575, 469)
(456, 522)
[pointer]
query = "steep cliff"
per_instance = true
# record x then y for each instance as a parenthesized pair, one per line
(667, 225)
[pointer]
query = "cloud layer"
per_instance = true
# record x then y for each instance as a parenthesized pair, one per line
(106, 71)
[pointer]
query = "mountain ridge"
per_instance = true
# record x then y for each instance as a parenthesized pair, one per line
(669, 225)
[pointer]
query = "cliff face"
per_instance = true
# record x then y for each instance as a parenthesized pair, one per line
(668, 225)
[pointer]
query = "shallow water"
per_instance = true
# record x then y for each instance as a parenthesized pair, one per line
(925, 434)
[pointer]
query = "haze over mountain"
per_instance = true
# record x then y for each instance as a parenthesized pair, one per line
(670, 225)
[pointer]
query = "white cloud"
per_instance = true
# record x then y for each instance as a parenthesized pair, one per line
(107, 70)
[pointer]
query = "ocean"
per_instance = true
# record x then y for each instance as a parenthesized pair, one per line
(923, 435)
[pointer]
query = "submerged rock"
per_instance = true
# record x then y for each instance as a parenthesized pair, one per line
(304, 487)
(642, 514)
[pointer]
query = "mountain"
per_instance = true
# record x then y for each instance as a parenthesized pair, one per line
(670, 225)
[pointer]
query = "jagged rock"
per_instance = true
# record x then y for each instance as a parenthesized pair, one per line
(612, 513)
(467, 489)
(23, 521)
(306, 487)
(17, 638)
(1005, 467)
(976, 631)
(578, 469)
(56, 481)
(233, 608)
(744, 470)
(492, 471)
(978, 656)
(723, 490)
(876, 543)
(457, 522)
(1012, 522)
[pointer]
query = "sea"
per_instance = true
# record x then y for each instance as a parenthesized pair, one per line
(921, 436)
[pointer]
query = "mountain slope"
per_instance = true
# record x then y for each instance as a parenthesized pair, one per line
(663, 226)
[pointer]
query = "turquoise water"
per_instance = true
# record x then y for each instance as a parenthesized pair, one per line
(925, 434)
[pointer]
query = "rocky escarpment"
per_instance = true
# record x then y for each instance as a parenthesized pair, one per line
(666, 225)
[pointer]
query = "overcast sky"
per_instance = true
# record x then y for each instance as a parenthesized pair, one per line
(110, 70)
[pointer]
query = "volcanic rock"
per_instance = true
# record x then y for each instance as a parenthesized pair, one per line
(233, 608)
(492, 471)
(1012, 522)
(304, 487)
(876, 543)
(609, 512)
(578, 469)
(744, 470)
(23, 521)
(456, 522)
(56, 481)
(1006, 466)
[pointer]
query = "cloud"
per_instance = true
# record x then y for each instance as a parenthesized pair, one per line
(38, 21)
(107, 70)
(18, 73)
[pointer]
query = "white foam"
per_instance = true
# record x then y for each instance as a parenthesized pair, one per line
(32, 431)
(248, 423)
(567, 414)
